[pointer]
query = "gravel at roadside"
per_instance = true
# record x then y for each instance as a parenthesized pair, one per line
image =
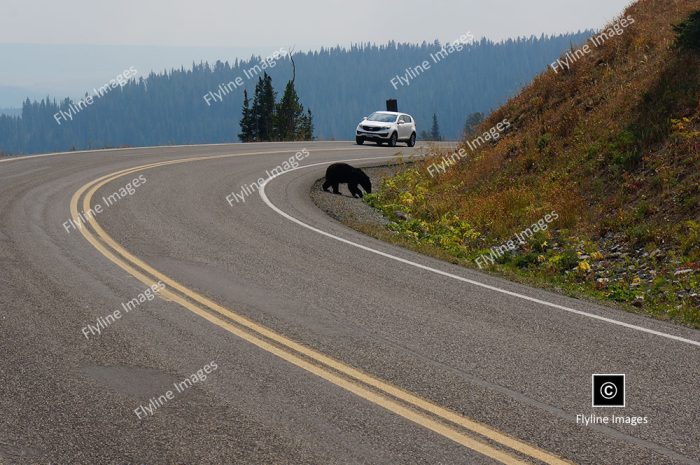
(345, 208)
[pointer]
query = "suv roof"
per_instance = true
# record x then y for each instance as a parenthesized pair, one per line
(391, 112)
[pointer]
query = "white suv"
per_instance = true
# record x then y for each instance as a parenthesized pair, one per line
(387, 126)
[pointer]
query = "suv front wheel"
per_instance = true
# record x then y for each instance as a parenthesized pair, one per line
(393, 139)
(359, 140)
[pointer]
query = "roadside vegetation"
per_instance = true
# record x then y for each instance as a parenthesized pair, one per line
(612, 145)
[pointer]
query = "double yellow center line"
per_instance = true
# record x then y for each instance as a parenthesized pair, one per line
(462, 430)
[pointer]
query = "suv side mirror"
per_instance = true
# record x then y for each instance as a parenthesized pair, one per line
(364, 118)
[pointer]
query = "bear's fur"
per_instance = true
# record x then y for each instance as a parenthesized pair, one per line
(342, 173)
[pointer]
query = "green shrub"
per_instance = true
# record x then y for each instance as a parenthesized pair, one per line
(690, 242)
(624, 151)
(539, 241)
(640, 235)
(620, 293)
(524, 261)
(543, 141)
(643, 210)
(568, 260)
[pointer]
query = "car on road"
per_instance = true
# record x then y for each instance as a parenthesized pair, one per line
(387, 126)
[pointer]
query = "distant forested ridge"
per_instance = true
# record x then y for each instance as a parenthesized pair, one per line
(339, 85)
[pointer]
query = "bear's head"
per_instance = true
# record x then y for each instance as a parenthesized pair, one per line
(365, 183)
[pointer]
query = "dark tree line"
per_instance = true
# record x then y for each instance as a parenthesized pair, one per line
(341, 85)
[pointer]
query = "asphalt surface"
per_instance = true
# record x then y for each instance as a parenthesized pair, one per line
(505, 360)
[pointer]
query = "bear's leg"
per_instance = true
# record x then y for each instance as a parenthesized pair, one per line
(354, 190)
(335, 188)
(326, 185)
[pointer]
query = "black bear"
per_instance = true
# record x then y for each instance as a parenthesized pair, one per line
(341, 173)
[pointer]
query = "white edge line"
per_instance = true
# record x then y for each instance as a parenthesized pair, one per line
(265, 199)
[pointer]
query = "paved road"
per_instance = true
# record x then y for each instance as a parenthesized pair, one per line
(281, 336)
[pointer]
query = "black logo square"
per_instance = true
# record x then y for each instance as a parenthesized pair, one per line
(608, 390)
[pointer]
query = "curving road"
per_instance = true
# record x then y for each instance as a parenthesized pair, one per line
(280, 336)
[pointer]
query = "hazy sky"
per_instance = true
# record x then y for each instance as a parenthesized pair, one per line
(63, 47)
(304, 23)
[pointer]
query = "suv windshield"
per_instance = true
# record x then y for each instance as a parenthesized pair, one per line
(381, 117)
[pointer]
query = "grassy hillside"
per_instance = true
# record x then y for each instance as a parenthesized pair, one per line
(611, 145)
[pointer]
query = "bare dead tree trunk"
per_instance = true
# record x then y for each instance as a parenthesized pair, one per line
(294, 68)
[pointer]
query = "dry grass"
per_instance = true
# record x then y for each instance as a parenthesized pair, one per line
(564, 151)
(613, 145)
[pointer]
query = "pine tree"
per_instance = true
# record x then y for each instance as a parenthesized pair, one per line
(290, 121)
(305, 129)
(247, 133)
(266, 112)
(289, 114)
(257, 110)
(435, 130)
(263, 111)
